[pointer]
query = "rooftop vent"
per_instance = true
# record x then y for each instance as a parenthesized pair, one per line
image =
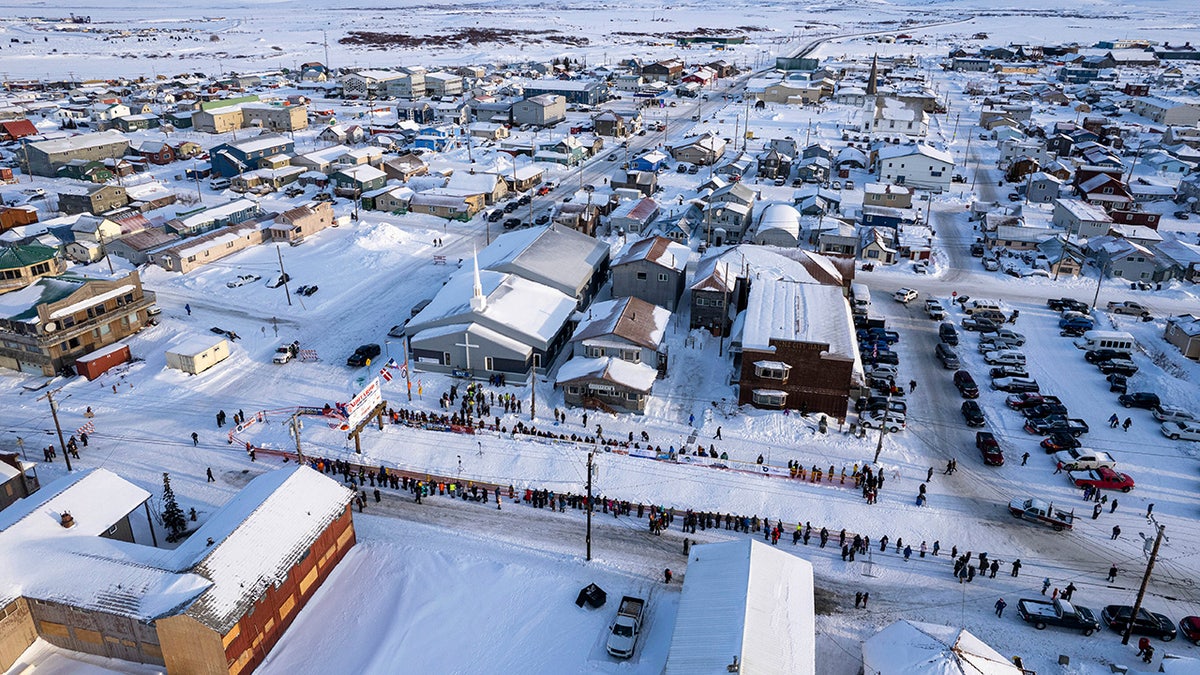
(68, 521)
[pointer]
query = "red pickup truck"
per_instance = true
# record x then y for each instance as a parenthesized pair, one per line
(1103, 478)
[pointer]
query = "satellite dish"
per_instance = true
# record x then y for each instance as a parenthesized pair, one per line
(51, 327)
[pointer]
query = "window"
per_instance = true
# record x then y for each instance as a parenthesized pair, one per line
(631, 355)
(572, 389)
(487, 363)
(662, 276)
(633, 396)
(768, 398)
(228, 244)
(537, 360)
(772, 371)
(701, 302)
(593, 352)
(874, 254)
(641, 276)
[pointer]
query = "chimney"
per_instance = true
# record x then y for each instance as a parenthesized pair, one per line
(68, 521)
(209, 542)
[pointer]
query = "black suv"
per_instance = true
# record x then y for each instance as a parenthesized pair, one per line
(1099, 355)
(1139, 399)
(972, 414)
(966, 384)
(948, 334)
(361, 355)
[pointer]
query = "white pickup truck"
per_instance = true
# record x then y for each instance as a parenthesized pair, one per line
(626, 627)
(1078, 459)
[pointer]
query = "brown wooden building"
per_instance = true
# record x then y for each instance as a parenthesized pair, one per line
(215, 605)
(797, 348)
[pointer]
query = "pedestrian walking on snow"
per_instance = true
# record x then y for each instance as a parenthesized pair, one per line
(188, 308)
(929, 475)
(1128, 423)
(1000, 605)
(1149, 509)
(912, 386)
(1024, 459)
(1045, 585)
(195, 439)
(1016, 567)
(1113, 421)
(718, 436)
(857, 599)
(1116, 532)
(1069, 591)
(210, 476)
(866, 597)
(667, 575)
(1112, 573)
(1096, 511)
(1113, 508)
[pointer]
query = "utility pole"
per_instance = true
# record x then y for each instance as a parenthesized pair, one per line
(54, 413)
(296, 426)
(407, 367)
(1099, 280)
(883, 427)
(1137, 604)
(724, 309)
(283, 275)
(589, 506)
(532, 392)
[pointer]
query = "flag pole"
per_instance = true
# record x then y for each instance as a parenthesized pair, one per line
(407, 381)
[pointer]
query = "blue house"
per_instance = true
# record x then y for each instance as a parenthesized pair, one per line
(651, 161)
(231, 159)
(434, 138)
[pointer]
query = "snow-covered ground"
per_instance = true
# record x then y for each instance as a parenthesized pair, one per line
(458, 587)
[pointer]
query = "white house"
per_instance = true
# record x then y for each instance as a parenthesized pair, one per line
(916, 165)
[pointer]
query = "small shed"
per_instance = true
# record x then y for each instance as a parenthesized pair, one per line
(97, 363)
(198, 354)
(748, 604)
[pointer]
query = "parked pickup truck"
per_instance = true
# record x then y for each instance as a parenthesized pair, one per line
(1043, 512)
(1078, 459)
(1128, 307)
(1048, 425)
(626, 627)
(1030, 399)
(1056, 612)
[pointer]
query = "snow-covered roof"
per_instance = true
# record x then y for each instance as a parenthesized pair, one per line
(1082, 210)
(635, 376)
(630, 318)
(898, 151)
(92, 301)
(800, 312)
(780, 217)
(658, 250)
(516, 307)
(559, 257)
(748, 600)
(76, 566)
(80, 142)
(914, 648)
(258, 537)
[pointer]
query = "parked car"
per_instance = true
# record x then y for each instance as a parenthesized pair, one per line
(945, 354)
(1057, 612)
(972, 414)
(948, 334)
(542, 219)
(1060, 304)
(1139, 399)
(1120, 366)
(905, 295)
(1101, 355)
(1029, 400)
(977, 249)
(1049, 425)
(1059, 440)
(1015, 384)
(1074, 331)
(1005, 334)
(875, 419)
(989, 447)
(1008, 371)
(867, 403)
(242, 280)
(1076, 459)
(881, 356)
(934, 309)
(1117, 383)
(1128, 307)
(995, 344)
(1076, 323)
(1004, 357)
(512, 223)
(363, 354)
(1170, 413)
(889, 336)
(885, 371)
(1190, 627)
(978, 324)
(1101, 479)
(495, 216)
(1044, 410)
(1186, 431)
(1147, 623)
(966, 384)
